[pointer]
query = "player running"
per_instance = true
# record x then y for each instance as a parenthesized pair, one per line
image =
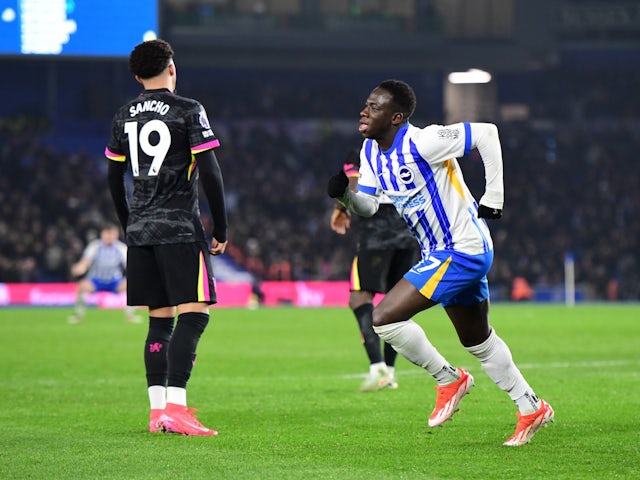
(417, 169)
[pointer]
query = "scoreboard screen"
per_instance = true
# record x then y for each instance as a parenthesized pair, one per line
(76, 28)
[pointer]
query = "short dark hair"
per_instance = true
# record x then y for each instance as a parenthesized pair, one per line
(148, 59)
(403, 95)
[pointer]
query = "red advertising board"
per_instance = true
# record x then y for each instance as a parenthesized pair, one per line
(299, 294)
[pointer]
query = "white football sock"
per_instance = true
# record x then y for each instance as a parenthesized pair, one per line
(157, 397)
(410, 341)
(177, 395)
(80, 307)
(528, 403)
(376, 368)
(496, 360)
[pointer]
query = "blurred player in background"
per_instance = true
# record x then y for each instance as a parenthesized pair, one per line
(167, 142)
(102, 268)
(417, 169)
(386, 250)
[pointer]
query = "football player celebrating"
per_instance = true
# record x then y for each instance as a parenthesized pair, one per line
(417, 169)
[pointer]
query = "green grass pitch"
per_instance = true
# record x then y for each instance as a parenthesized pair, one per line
(281, 386)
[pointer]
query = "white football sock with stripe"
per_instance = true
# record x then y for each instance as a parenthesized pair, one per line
(410, 341)
(496, 360)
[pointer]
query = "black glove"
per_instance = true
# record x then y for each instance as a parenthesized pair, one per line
(489, 213)
(338, 184)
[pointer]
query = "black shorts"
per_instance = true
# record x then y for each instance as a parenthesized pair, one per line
(379, 270)
(169, 275)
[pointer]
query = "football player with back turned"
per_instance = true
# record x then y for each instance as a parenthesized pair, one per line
(167, 143)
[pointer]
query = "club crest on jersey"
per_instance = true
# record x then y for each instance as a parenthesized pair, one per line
(405, 174)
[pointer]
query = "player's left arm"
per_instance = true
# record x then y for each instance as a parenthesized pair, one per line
(213, 186)
(439, 143)
(485, 137)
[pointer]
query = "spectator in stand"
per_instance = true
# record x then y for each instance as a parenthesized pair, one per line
(594, 145)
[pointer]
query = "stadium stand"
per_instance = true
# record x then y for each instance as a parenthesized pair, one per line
(570, 172)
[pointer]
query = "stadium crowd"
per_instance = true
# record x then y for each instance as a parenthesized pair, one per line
(569, 178)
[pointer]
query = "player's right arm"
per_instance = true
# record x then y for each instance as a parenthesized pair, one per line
(202, 141)
(88, 256)
(213, 186)
(360, 203)
(115, 175)
(115, 180)
(364, 200)
(340, 219)
(80, 268)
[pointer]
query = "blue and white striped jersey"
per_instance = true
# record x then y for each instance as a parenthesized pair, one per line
(422, 177)
(108, 262)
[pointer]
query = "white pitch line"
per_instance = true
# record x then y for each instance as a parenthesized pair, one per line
(589, 364)
(528, 366)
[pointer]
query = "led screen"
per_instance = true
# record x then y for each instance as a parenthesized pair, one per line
(95, 28)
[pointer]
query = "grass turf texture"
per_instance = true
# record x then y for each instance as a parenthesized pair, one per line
(281, 385)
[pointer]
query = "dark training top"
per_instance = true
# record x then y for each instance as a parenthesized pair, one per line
(158, 134)
(385, 230)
